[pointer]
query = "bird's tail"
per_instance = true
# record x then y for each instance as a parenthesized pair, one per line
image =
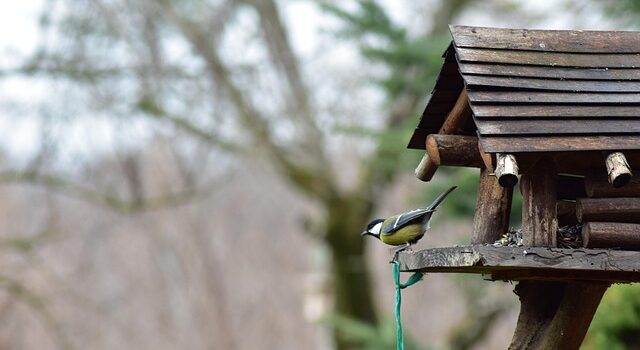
(441, 198)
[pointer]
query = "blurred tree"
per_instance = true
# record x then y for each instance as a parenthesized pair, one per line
(224, 73)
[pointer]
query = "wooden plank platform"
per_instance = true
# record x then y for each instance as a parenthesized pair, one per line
(528, 263)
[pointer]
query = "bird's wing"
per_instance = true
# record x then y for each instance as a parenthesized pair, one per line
(404, 219)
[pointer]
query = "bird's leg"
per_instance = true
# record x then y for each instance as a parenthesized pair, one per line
(397, 251)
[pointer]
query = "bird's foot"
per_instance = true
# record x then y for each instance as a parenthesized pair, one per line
(406, 246)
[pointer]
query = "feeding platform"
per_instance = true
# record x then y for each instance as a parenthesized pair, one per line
(527, 263)
(559, 113)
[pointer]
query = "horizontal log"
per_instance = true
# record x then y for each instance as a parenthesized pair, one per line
(554, 111)
(608, 209)
(558, 126)
(454, 150)
(517, 144)
(547, 40)
(597, 185)
(479, 81)
(553, 59)
(516, 70)
(611, 235)
(527, 263)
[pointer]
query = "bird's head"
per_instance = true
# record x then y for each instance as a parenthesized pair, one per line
(374, 228)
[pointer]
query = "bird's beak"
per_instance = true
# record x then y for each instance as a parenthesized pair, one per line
(364, 233)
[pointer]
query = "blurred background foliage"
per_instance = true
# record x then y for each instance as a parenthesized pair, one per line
(223, 92)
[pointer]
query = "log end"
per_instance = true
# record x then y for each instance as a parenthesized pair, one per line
(508, 180)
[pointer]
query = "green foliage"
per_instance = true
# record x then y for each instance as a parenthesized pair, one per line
(616, 325)
(382, 337)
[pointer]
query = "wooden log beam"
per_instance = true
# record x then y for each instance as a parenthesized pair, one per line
(454, 150)
(506, 169)
(454, 123)
(597, 185)
(608, 209)
(539, 219)
(618, 169)
(493, 207)
(611, 235)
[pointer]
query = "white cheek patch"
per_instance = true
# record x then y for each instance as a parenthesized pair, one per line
(376, 229)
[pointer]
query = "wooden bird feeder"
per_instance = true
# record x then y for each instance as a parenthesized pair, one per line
(561, 111)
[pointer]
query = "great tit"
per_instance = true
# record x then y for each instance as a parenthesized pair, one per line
(407, 228)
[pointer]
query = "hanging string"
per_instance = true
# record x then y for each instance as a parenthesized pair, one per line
(415, 278)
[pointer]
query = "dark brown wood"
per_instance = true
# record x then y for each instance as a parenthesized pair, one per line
(454, 123)
(611, 235)
(566, 212)
(454, 150)
(512, 111)
(608, 209)
(558, 143)
(546, 40)
(527, 263)
(516, 70)
(558, 127)
(478, 81)
(539, 302)
(597, 185)
(571, 187)
(553, 59)
(539, 220)
(571, 321)
(493, 207)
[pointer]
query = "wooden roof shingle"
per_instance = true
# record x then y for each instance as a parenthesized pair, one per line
(541, 90)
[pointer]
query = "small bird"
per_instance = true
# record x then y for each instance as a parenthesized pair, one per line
(407, 228)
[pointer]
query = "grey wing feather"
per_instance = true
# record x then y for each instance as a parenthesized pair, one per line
(406, 218)
(420, 213)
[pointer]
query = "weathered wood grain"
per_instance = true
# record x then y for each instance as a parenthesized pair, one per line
(484, 81)
(530, 263)
(576, 111)
(554, 143)
(516, 70)
(608, 209)
(503, 126)
(597, 185)
(563, 98)
(618, 169)
(611, 235)
(454, 123)
(551, 59)
(539, 189)
(546, 40)
(454, 150)
(493, 207)
(506, 169)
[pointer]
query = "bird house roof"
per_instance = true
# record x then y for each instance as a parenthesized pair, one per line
(540, 90)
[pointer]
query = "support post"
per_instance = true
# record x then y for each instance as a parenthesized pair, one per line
(539, 188)
(493, 207)
(506, 169)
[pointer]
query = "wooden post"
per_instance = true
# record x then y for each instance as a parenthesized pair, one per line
(493, 206)
(539, 222)
(618, 169)
(597, 185)
(453, 123)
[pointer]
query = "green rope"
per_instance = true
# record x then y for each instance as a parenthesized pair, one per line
(415, 278)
